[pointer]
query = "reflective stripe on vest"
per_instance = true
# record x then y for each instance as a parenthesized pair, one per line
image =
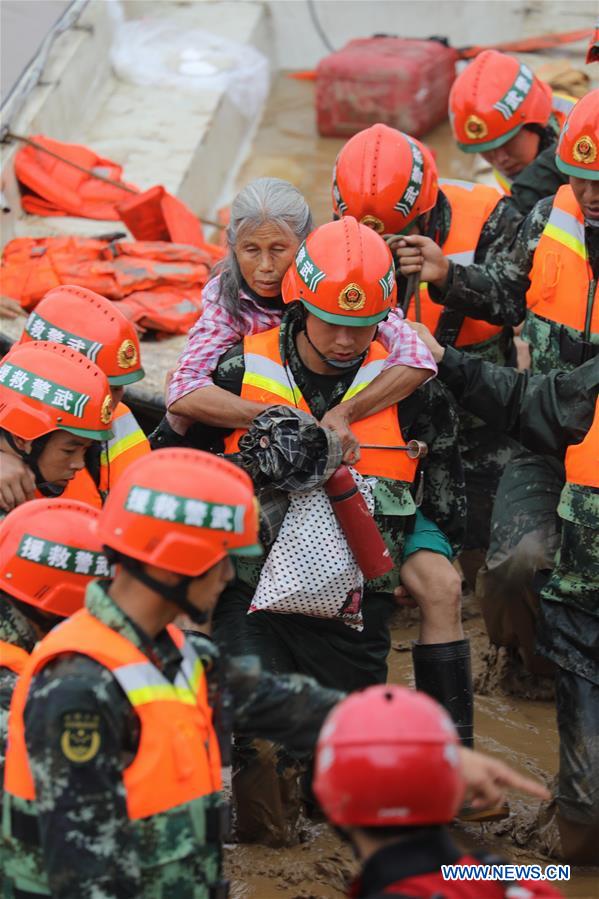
(562, 288)
(177, 759)
(267, 380)
(582, 459)
(121, 450)
(471, 205)
(12, 657)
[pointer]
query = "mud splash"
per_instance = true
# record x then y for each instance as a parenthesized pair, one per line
(519, 729)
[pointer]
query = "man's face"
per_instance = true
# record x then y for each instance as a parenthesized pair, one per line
(587, 196)
(204, 591)
(264, 254)
(62, 457)
(339, 342)
(513, 156)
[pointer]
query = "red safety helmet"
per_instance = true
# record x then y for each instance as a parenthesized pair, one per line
(343, 273)
(182, 510)
(45, 387)
(388, 756)
(49, 552)
(90, 324)
(493, 98)
(593, 48)
(578, 148)
(385, 179)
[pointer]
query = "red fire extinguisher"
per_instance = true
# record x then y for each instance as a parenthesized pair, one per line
(358, 525)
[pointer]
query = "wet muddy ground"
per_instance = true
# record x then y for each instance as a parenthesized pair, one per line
(520, 730)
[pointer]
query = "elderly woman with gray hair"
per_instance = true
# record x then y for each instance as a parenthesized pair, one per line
(269, 220)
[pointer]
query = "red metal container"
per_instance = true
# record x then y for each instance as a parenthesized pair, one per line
(401, 83)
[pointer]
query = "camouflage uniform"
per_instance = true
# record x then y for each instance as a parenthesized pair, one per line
(336, 655)
(484, 453)
(525, 529)
(547, 414)
(17, 630)
(83, 843)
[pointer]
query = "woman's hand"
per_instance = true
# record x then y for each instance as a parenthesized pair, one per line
(337, 420)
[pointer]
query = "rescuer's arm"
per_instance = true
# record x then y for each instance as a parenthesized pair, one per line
(545, 413)
(287, 709)
(495, 290)
(17, 483)
(430, 415)
(80, 736)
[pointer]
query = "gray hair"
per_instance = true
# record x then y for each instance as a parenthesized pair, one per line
(262, 200)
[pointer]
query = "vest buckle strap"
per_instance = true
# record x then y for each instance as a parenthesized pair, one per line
(575, 351)
(24, 827)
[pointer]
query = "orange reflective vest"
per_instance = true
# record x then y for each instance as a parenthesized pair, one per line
(582, 459)
(471, 205)
(267, 380)
(178, 758)
(127, 444)
(562, 288)
(12, 657)
(562, 104)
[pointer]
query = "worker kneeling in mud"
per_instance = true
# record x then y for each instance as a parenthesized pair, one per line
(113, 767)
(389, 779)
(54, 405)
(339, 288)
(93, 326)
(557, 415)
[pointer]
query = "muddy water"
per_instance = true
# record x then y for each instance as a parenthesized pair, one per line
(522, 732)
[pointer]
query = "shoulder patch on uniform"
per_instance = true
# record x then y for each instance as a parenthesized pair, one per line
(80, 738)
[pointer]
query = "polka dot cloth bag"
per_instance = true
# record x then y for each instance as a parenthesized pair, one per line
(310, 569)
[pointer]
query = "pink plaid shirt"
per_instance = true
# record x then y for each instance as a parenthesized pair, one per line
(216, 331)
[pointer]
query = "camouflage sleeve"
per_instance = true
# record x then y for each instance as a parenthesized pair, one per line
(546, 413)
(79, 739)
(8, 680)
(287, 709)
(230, 370)
(436, 423)
(540, 179)
(495, 290)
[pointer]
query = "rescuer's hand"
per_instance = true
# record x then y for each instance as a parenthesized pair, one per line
(426, 337)
(337, 420)
(17, 483)
(487, 779)
(403, 598)
(10, 308)
(420, 255)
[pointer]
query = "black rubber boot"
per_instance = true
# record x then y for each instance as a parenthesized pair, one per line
(444, 671)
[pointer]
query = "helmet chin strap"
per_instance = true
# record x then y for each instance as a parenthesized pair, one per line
(335, 363)
(46, 488)
(176, 593)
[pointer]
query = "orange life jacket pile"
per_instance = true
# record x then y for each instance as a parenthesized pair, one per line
(157, 284)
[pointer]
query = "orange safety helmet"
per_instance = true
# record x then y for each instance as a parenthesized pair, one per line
(92, 325)
(45, 387)
(182, 510)
(388, 756)
(343, 273)
(493, 98)
(578, 147)
(385, 179)
(49, 552)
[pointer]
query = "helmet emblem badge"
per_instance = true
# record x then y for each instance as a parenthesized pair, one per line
(476, 129)
(585, 150)
(352, 298)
